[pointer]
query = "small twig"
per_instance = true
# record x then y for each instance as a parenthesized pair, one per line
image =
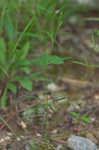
(11, 115)
(3, 120)
(58, 141)
(77, 83)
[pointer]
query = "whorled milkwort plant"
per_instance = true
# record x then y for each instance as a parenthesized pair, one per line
(13, 62)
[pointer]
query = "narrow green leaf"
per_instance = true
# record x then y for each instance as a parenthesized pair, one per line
(67, 58)
(92, 19)
(22, 63)
(85, 64)
(3, 70)
(26, 83)
(10, 51)
(79, 63)
(3, 99)
(17, 78)
(12, 87)
(9, 28)
(25, 50)
(26, 70)
(55, 60)
(51, 108)
(36, 61)
(76, 115)
(58, 99)
(85, 119)
(33, 35)
(38, 106)
(29, 96)
(2, 52)
(35, 75)
(46, 59)
(75, 121)
(32, 76)
(2, 19)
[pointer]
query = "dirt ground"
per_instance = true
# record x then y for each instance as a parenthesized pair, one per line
(76, 89)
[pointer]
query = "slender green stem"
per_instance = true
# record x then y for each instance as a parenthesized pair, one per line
(46, 102)
(46, 106)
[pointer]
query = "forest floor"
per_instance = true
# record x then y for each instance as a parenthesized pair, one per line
(73, 98)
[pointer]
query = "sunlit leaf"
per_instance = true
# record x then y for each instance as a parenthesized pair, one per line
(26, 83)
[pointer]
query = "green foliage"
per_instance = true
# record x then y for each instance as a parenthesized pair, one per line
(86, 64)
(47, 18)
(46, 59)
(40, 146)
(2, 53)
(14, 61)
(12, 87)
(9, 28)
(3, 98)
(40, 108)
(79, 117)
(12, 64)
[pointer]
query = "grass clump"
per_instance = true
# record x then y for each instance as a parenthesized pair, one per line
(44, 23)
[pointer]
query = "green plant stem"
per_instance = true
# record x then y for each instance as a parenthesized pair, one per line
(46, 113)
(46, 102)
